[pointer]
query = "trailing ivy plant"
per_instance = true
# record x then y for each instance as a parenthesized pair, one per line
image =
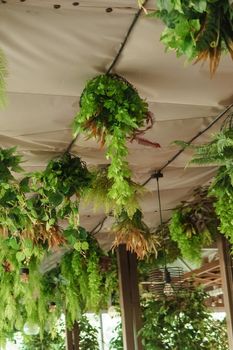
(200, 30)
(83, 281)
(112, 112)
(58, 190)
(135, 234)
(87, 283)
(33, 208)
(194, 224)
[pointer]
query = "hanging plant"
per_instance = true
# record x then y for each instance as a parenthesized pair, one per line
(86, 285)
(194, 225)
(21, 290)
(22, 217)
(76, 285)
(200, 30)
(222, 189)
(112, 112)
(88, 338)
(98, 193)
(135, 234)
(219, 151)
(167, 252)
(59, 189)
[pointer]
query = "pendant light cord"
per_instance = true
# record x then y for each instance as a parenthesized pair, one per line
(158, 175)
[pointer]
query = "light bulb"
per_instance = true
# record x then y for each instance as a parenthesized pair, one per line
(31, 329)
(168, 290)
(112, 311)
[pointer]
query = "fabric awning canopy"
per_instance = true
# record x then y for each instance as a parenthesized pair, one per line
(52, 51)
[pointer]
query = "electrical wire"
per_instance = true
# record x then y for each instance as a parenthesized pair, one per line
(136, 17)
(222, 114)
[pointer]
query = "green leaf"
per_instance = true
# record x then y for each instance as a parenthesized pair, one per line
(55, 198)
(78, 246)
(20, 256)
(14, 244)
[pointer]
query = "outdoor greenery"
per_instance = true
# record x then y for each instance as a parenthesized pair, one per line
(181, 322)
(135, 234)
(219, 151)
(167, 252)
(198, 29)
(222, 189)
(112, 112)
(30, 215)
(81, 282)
(116, 343)
(194, 224)
(39, 211)
(56, 340)
(101, 184)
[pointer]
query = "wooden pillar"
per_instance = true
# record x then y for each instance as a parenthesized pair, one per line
(69, 340)
(72, 338)
(226, 269)
(129, 299)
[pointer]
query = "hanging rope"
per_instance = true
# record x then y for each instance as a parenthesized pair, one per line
(136, 17)
(158, 175)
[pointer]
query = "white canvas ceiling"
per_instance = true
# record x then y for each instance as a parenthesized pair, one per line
(52, 52)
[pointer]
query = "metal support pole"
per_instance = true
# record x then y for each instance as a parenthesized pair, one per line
(129, 299)
(226, 268)
(101, 331)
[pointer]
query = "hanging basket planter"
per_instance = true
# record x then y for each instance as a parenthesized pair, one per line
(136, 235)
(110, 102)
(200, 30)
(112, 112)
